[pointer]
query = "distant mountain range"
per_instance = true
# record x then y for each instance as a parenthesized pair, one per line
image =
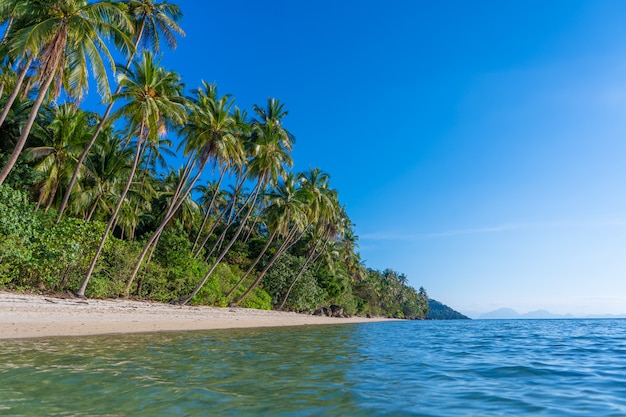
(509, 313)
(440, 311)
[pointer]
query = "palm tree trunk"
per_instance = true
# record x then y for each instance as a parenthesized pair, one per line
(93, 209)
(256, 261)
(208, 236)
(208, 211)
(16, 91)
(234, 214)
(177, 201)
(52, 195)
(29, 122)
(94, 137)
(232, 241)
(254, 222)
(112, 220)
(283, 248)
(7, 30)
(300, 273)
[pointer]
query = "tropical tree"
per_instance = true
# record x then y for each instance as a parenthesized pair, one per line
(210, 196)
(149, 20)
(270, 148)
(106, 170)
(63, 138)
(154, 101)
(286, 216)
(15, 14)
(208, 136)
(65, 36)
(238, 168)
(323, 214)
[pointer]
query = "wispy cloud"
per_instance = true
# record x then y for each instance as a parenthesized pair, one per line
(446, 233)
(385, 236)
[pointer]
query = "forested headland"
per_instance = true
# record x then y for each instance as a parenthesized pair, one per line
(88, 204)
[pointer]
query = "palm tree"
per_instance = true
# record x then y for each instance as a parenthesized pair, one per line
(289, 216)
(64, 40)
(210, 196)
(7, 15)
(209, 135)
(187, 209)
(16, 14)
(154, 101)
(285, 213)
(237, 168)
(323, 211)
(63, 139)
(106, 169)
(148, 19)
(270, 147)
(237, 200)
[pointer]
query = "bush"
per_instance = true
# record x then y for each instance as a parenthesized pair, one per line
(36, 253)
(305, 295)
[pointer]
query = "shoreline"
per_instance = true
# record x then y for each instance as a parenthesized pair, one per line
(32, 316)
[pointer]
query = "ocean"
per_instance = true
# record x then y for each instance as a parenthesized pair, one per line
(406, 368)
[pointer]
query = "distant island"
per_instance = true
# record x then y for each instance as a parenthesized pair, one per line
(509, 313)
(440, 311)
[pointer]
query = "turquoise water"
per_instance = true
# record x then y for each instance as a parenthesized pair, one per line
(457, 368)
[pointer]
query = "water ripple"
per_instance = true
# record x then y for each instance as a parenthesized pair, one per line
(462, 368)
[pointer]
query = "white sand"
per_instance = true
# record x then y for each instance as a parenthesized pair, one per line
(26, 315)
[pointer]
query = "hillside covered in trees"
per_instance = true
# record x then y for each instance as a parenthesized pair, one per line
(89, 205)
(440, 311)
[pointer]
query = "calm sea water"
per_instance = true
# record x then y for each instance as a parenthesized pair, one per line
(457, 368)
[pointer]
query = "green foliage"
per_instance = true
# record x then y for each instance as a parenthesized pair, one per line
(16, 233)
(238, 254)
(22, 176)
(306, 294)
(61, 251)
(259, 299)
(224, 278)
(387, 293)
(440, 311)
(116, 263)
(174, 272)
(35, 252)
(338, 289)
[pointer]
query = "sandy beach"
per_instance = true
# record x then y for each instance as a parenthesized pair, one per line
(27, 315)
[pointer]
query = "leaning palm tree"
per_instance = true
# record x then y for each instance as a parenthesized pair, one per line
(285, 216)
(7, 15)
(16, 14)
(236, 201)
(148, 19)
(289, 215)
(68, 35)
(210, 196)
(154, 101)
(208, 136)
(323, 212)
(271, 145)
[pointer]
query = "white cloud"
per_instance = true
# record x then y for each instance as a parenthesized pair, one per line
(386, 236)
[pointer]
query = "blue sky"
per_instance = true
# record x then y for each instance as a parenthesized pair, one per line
(478, 146)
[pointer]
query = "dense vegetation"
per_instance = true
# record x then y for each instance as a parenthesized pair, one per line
(440, 311)
(88, 204)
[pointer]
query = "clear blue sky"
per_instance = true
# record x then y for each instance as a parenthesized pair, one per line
(479, 146)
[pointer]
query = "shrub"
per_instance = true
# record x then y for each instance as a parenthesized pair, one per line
(305, 295)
